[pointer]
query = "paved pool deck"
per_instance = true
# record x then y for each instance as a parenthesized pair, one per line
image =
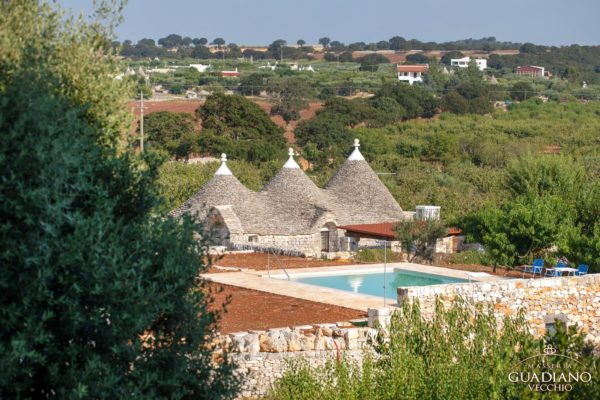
(274, 282)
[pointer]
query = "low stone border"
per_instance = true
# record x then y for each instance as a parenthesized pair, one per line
(338, 336)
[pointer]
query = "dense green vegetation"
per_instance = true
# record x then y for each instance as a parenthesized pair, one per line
(461, 162)
(459, 354)
(99, 296)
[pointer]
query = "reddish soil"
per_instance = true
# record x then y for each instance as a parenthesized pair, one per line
(252, 309)
(396, 58)
(260, 262)
(187, 106)
(289, 129)
(190, 106)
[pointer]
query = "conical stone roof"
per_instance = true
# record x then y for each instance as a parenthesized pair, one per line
(291, 204)
(222, 189)
(295, 201)
(361, 197)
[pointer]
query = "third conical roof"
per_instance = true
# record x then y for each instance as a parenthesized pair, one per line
(362, 197)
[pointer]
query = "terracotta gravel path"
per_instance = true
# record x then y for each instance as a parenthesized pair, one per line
(252, 309)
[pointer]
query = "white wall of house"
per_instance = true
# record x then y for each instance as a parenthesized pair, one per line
(464, 62)
(410, 77)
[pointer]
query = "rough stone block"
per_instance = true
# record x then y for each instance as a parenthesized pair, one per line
(274, 342)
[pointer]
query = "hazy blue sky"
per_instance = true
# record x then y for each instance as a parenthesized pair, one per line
(554, 22)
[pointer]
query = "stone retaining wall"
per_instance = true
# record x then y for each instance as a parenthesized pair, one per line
(575, 300)
(262, 356)
(308, 244)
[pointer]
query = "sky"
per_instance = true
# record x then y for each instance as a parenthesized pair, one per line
(257, 22)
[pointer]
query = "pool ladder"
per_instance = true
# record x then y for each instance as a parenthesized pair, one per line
(279, 263)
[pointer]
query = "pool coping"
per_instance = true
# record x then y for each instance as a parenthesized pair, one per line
(270, 282)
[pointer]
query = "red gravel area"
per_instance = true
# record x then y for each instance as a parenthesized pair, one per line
(252, 309)
(260, 261)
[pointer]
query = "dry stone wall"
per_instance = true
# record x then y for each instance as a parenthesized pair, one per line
(308, 245)
(575, 300)
(263, 356)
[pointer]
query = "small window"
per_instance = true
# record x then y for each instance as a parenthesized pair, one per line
(253, 238)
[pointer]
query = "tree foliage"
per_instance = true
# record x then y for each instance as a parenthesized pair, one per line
(174, 133)
(371, 62)
(548, 214)
(521, 91)
(416, 101)
(100, 296)
(239, 127)
(418, 238)
(290, 94)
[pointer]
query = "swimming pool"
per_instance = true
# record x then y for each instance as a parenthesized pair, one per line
(372, 283)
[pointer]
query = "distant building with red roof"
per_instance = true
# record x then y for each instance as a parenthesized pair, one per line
(531, 70)
(226, 74)
(411, 73)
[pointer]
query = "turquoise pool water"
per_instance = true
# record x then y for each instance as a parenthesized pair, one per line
(373, 283)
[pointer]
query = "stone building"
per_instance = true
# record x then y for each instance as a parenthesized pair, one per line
(291, 213)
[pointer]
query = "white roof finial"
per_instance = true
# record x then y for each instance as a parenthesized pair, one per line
(291, 163)
(356, 155)
(223, 169)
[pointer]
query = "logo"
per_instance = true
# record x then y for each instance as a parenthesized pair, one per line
(549, 372)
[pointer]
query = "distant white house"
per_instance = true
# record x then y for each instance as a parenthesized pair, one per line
(464, 62)
(411, 73)
(309, 68)
(201, 67)
(160, 70)
(269, 66)
(190, 94)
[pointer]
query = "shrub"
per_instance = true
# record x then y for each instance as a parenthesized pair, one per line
(377, 255)
(461, 353)
(468, 257)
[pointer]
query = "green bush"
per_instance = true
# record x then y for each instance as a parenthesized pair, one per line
(461, 353)
(468, 257)
(376, 255)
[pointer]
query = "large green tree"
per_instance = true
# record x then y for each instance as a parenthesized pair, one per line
(552, 210)
(371, 62)
(290, 98)
(174, 133)
(99, 295)
(240, 128)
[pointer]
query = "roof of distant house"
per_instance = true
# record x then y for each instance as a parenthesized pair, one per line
(529, 68)
(413, 68)
(383, 229)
